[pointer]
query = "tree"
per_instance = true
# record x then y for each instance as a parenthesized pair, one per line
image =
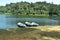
(31, 8)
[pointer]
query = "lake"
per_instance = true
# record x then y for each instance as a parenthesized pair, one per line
(10, 21)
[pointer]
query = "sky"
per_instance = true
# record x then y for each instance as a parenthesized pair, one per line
(4, 2)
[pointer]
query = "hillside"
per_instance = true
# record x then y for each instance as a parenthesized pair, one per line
(25, 8)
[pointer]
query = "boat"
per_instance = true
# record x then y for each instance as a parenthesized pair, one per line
(34, 24)
(31, 24)
(19, 24)
(28, 24)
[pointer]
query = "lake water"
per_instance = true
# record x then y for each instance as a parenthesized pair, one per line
(10, 21)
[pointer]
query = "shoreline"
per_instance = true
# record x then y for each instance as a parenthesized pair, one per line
(34, 27)
(47, 28)
(31, 33)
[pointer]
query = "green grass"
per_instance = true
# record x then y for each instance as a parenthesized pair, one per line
(16, 30)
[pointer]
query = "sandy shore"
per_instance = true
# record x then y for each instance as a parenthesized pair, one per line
(47, 28)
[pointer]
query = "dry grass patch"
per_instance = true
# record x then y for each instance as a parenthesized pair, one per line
(31, 33)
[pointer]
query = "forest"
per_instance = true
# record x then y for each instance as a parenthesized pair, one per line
(26, 8)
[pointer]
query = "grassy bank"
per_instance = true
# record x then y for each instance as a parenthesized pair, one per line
(32, 33)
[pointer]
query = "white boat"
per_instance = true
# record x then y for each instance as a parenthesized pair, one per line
(28, 24)
(31, 24)
(34, 24)
(19, 24)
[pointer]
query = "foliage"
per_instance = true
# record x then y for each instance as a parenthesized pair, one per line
(40, 8)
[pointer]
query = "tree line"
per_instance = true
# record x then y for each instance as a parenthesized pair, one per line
(26, 8)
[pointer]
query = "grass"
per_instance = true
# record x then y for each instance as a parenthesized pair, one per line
(31, 33)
